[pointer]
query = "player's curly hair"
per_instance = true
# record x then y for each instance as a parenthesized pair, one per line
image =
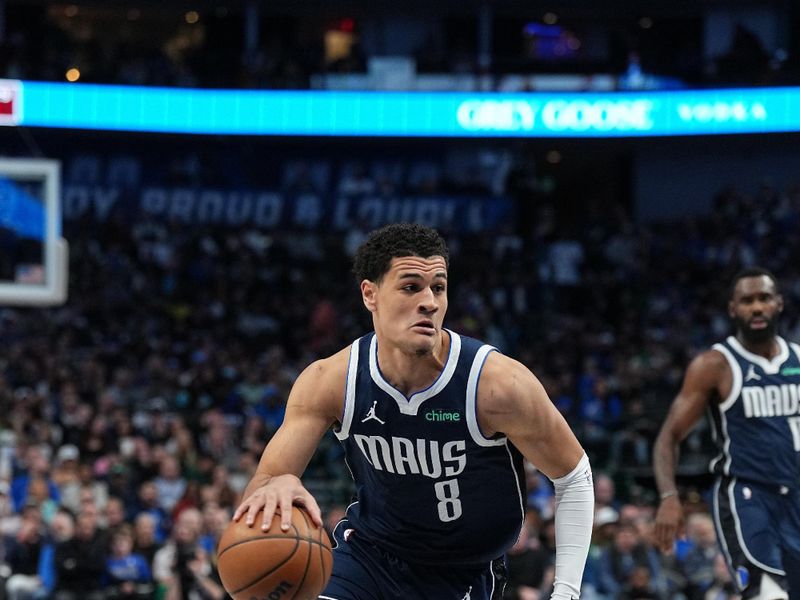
(374, 256)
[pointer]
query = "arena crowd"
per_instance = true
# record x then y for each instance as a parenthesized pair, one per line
(132, 417)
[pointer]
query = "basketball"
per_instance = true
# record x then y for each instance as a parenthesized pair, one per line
(275, 564)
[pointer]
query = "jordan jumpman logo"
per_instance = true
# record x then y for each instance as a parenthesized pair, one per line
(371, 415)
(751, 374)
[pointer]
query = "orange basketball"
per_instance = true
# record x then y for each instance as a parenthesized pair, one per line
(275, 564)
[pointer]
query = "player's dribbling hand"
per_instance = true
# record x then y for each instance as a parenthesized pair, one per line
(669, 520)
(278, 494)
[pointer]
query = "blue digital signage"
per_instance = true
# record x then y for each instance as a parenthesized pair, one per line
(412, 114)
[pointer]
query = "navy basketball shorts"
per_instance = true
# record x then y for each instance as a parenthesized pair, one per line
(363, 571)
(758, 527)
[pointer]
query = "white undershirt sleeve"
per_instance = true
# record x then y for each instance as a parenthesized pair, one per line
(574, 514)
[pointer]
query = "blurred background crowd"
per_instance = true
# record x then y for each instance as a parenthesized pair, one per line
(132, 417)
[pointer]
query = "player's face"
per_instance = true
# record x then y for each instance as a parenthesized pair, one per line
(409, 304)
(755, 307)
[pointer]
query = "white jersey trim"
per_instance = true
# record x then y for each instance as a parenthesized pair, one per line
(349, 394)
(796, 349)
(718, 526)
(338, 523)
(736, 372)
(472, 399)
(472, 421)
(736, 390)
(410, 406)
(771, 367)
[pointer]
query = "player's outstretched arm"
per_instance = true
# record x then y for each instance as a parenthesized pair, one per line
(314, 404)
(512, 401)
(705, 376)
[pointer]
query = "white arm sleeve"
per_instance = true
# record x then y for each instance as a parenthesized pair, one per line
(574, 515)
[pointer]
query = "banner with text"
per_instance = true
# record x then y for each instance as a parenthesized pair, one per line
(399, 114)
(272, 211)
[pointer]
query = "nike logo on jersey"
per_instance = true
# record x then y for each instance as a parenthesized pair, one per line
(752, 375)
(371, 416)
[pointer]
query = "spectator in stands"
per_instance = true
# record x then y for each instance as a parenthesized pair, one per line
(93, 489)
(219, 444)
(9, 520)
(148, 504)
(561, 390)
(221, 484)
(37, 468)
(600, 410)
(723, 587)
(121, 486)
(66, 471)
(113, 514)
(627, 564)
(530, 568)
(142, 464)
(638, 585)
(540, 492)
(127, 574)
(23, 554)
(73, 415)
(605, 492)
(62, 529)
(604, 530)
(144, 536)
(170, 484)
(97, 441)
(630, 441)
(182, 567)
(698, 562)
(38, 495)
(22, 586)
(80, 561)
(215, 519)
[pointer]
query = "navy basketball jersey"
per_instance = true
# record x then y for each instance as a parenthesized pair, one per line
(429, 486)
(757, 427)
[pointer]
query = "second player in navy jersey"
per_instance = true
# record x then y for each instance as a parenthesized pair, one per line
(435, 427)
(749, 384)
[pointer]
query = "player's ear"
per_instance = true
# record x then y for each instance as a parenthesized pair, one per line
(369, 291)
(780, 303)
(731, 309)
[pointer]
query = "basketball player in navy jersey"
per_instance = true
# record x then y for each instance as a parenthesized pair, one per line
(750, 385)
(434, 427)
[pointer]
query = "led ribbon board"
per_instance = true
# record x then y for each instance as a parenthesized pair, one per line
(390, 114)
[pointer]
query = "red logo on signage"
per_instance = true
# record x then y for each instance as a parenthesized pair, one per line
(10, 102)
(7, 106)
